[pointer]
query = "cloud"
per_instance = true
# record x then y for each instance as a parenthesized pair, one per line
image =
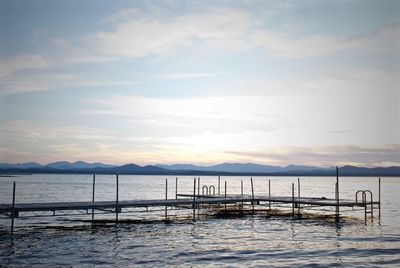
(184, 76)
(136, 34)
(53, 81)
(22, 131)
(312, 118)
(226, 30)
(139, 35)
(206, 114)
(12, 64)
(326, 156)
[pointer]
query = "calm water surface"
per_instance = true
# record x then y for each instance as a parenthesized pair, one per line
(248, 241)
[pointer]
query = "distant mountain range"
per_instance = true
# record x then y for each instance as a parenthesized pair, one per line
(62, 165)
(187, 169)
(239, 167)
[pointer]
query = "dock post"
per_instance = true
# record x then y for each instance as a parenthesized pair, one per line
(117, 199)
(379, 196)
(337, 192)
(13, 210)
(219, 185)
(252, 194)
(166, 198)
(198, 186)
(225, 194)
(298, 194)
(176, 188)
(269, 194)
(194, 199)
(293, 200)
(93, 192)
(241, 192)
(365, 206)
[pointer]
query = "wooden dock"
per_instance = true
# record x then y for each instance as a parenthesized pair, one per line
(196, 200)
(202, 200)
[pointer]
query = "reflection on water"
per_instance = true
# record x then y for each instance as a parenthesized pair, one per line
(248, 241)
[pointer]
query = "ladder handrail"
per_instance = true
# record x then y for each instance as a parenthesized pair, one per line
(202, 189)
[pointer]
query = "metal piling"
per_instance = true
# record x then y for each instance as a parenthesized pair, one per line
(293, 200)
(13, 210)
(117, 200)
(166, 198)
(93, 192)
(252, 194)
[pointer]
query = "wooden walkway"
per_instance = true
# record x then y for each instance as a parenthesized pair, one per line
(199, 200)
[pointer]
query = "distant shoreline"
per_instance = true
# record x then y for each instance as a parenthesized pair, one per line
(202, 173)
(225, 169)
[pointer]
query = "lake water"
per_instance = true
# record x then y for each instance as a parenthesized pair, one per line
(246, 241)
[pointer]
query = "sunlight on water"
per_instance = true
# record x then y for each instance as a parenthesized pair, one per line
(248, 241)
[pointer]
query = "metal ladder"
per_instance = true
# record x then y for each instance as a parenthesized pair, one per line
(368, 204)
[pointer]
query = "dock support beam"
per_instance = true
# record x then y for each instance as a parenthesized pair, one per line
(293, 200)
(269, 194)
(219, 185)
(252, 194)
(298, 194)
(13, 210)
(93, 192)
(166, 198)
(379, 196)
(194, 199)
(337, 192)
(117, 200)
(176, 188)
(225, 194)
(241, 193)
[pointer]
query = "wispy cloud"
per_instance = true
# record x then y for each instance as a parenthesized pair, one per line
(55, 81)
(12, 64)
(326, 156)
(137, 34)
(184, 76)
(227, 29)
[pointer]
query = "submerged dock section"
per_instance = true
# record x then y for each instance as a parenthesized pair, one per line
(203, 198)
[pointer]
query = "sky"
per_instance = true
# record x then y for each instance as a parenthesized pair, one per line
(202, 82)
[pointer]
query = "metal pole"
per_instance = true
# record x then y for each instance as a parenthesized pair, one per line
(298, 188)
(372, 208)
(293, 200)
(166, 197)
(219, 185)
(176, 188)
(252, 194)
(241, 191)
(379, 196)
(194, 199)
(117, 199)
(365, 206)
(269, 193)
(13, 210)
(337, 191)
(298, 194)
(198, 186)
(93, 192)
(336, 194)
(225, 195)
